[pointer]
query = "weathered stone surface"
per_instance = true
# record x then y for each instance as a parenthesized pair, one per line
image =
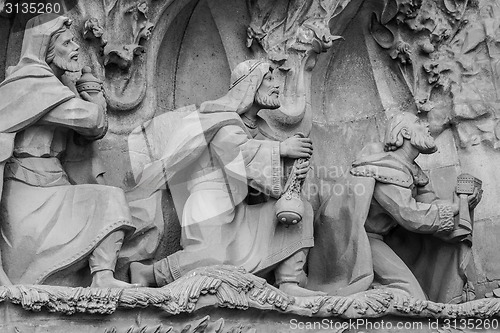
(437, 57)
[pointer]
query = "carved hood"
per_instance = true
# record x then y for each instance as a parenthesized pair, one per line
(245, 80)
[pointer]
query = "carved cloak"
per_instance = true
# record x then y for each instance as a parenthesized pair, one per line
(162, 151)
(46, 228)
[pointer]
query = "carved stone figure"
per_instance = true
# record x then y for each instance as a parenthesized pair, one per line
(387, 190)
(48, 223)
(216, 153)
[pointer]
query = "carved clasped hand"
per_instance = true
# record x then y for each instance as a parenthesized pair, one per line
(91, 90)
(296, 146)
(290, 207)
(468, 195)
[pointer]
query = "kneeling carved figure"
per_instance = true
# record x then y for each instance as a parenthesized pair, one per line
(368, 235)
(214, 161)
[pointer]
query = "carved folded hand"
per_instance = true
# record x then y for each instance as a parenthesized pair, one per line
(302, 169)
(100, 101)
(475, 198)
(296, 147)
(97, 99)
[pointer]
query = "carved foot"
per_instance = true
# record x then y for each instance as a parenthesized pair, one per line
(293, 289)
(105, 279)
(142, 275)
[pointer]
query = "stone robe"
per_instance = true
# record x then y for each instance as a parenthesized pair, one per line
(47, 223)
(219, 160)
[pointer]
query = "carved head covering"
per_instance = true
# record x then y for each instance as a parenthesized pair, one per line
(246, 78)
(31, 85)
(36, 39)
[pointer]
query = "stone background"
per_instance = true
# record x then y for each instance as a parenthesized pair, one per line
(355, 87)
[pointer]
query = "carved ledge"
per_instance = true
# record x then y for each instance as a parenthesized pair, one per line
(231, 287)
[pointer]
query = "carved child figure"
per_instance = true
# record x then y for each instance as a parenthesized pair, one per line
(47, 223)
(215, 154)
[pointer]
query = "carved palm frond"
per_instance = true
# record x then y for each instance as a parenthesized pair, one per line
(232, 287)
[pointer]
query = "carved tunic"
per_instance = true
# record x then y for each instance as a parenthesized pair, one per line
(208, 161)
(395, 205)
(37, 149)
(49, 224)
(218, 226)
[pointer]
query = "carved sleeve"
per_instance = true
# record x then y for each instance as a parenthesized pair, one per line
(416, 216)
(83, 117)
(256, 161)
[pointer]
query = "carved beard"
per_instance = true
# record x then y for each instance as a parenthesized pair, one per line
(70, 66)
(423, 142)
(265, 101)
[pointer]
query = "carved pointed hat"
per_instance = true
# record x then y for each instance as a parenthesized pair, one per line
(246, 78)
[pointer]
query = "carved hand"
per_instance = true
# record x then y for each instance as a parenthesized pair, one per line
(455, 205)
(100, 101)
(96, 99)
(302, 169)
(475, 198)
(295, 147)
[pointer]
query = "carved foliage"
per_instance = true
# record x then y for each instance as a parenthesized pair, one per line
(128, 25)
(291, 34)
(232, 287)
(284, 27)
(454, 62)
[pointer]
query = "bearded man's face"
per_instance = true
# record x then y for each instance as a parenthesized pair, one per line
(421, 138)
(268, 94)
(66, 52)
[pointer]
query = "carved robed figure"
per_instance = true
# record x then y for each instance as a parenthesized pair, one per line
(378, 232)
(47, 222)
(209, 158)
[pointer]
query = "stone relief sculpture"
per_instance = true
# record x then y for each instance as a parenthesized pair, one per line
(219, 226)
(387, 188)
(386, 245)
(48, 222)
(292, 39)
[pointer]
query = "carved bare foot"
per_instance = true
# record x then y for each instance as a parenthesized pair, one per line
(105, 279)
(142, 275)
(293, 289)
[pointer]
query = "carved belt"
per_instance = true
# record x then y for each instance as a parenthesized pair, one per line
(36, 171)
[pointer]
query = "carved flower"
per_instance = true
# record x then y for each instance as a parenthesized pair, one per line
(401, 51)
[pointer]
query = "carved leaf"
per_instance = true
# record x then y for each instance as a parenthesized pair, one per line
(390, 10)
(472, 39)
(450, 5)
(109, 5)
(382, 35)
